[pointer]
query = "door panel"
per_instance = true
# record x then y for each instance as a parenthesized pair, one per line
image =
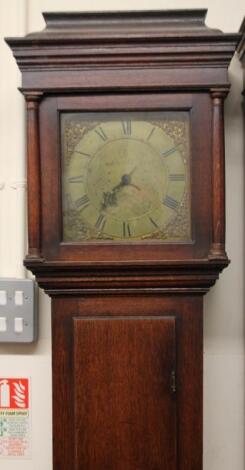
(125, 410)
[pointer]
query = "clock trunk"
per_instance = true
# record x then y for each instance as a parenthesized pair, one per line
(128, 382)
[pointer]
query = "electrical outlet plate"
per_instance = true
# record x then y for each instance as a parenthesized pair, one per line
(18, 310)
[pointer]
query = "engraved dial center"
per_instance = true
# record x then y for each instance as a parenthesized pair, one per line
(126, 178)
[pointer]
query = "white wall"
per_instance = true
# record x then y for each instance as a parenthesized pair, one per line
(224, 323)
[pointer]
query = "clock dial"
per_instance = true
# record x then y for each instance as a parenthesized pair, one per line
(126, 177)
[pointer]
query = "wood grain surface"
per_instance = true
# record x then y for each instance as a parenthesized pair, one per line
(125, 415)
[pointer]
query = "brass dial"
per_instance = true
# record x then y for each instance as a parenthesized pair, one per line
(126, 179)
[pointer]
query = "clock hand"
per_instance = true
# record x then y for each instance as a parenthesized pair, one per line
(126, 180)
(132, 171)
(110, 198)
(135, 186)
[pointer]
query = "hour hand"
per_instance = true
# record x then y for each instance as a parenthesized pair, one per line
(109, 199)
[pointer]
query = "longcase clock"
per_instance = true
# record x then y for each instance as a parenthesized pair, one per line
(126, 218)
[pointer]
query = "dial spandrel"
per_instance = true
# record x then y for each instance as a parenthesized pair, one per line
(126, 176)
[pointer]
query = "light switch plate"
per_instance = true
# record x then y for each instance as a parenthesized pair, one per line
(20, 310)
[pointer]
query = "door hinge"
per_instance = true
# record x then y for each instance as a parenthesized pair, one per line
(173, 381)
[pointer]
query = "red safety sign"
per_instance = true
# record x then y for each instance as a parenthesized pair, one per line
(14, 393)
(15, 418)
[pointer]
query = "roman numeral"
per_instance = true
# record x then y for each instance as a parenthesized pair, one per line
(100, 222)
(170, 151)
(83, 153)
(126, 125)
(153, 222)
(82, 201)
(170, 202)
(101, 133)
(177, 177)
(126, 230)
(150, 135)
(76, 179)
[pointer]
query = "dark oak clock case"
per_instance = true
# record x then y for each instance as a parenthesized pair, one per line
(241, 53)
(127, 315)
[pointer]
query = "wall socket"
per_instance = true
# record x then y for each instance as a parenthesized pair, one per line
(18, 310)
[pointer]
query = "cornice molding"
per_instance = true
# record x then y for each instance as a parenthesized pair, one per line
(97, 40)
(124, 25)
